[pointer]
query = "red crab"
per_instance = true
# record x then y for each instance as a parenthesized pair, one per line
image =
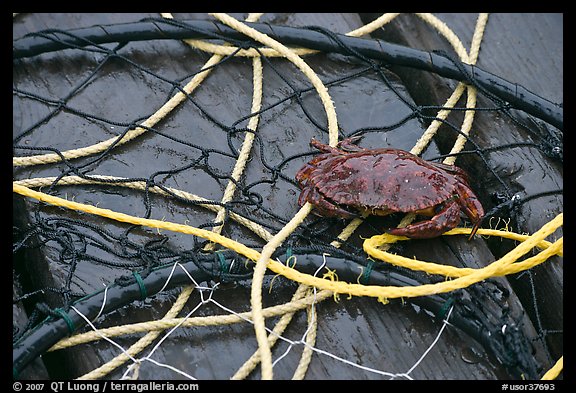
(384, 181)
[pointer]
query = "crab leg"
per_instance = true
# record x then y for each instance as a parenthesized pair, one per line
(304, 173)
(303, 198)
(448, 217)
(324, 206)
(349, 144)
(324, 148)
(471, 206)
(452, 169)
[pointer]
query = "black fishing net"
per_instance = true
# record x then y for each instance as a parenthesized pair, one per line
(130, 118)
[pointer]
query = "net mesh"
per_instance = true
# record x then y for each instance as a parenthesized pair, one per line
(195, 192)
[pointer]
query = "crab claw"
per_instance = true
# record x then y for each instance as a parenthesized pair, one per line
(471, 206)
(474, 229)
(349, 144)
(447, 218)
(323, 206)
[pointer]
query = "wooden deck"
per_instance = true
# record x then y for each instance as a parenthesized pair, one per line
(367, 334)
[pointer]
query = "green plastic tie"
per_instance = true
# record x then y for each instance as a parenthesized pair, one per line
(66, 318)
(222, 262)
(444, 310)
(143, 292)
(364, 279)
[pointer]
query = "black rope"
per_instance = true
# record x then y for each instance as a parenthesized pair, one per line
(314, 38)
(127, 289)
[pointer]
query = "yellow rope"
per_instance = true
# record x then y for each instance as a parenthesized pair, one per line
(228, 194)
(476, 275)
(554, 371)
(371, 247)
(297, 304)
(427, 136)
(287, 316)
(375, 246)
(141, 344)
(472, 93)
(245, 149)
(160, 114)
(237, 173)
(333, 135)
(141, 186)
(336, 286)
(228, 50)
(244, 155)
(259, 270)
(231, 187)
(306, 357)
(375, 24)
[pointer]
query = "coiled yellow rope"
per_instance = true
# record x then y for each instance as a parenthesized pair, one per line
(466, 277)
(471, 276)
(375, 246)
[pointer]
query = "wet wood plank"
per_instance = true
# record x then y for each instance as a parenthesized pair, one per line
(525, 49)
(385, 337)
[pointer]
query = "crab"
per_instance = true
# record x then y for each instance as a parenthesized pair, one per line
(347, 181)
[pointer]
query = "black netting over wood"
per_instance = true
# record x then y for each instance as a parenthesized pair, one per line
(167, 196)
